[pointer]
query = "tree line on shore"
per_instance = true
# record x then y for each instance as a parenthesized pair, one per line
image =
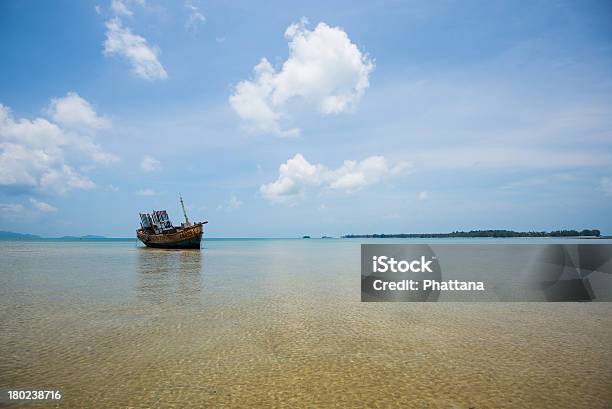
(481, 233)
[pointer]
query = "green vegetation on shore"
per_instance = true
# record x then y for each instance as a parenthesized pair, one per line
(480, 233)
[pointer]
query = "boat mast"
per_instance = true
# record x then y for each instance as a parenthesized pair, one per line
(184, 212)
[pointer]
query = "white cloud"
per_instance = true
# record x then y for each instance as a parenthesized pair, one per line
(232, 204)
(98, 9)
(423, 195)
(146, 192)
(354, 175)
(606, 185)
(149, 164)
(195, 17)
(297, 174)
(122, 8)
(73, 112)
(143, 58)
(64, 178)
(33, 153)
(294, 176)
(324, 70)
(42, 206)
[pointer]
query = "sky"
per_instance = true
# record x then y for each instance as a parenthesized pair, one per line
(280, 119)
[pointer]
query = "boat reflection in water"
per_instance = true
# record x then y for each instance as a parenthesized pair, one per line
(171, 277)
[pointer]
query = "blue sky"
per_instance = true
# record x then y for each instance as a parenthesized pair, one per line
(282, 119)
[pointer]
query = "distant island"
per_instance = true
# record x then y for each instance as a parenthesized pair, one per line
(9, 235)
(479, 233)
(87, 237)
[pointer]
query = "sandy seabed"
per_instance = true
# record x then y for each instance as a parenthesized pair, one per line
(288, 353)
(117, 326)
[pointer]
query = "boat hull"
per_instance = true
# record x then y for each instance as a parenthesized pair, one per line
(186, 238)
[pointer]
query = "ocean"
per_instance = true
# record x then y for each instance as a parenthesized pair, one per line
(279, 322)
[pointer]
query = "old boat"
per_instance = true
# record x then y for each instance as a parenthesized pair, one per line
(157, 231)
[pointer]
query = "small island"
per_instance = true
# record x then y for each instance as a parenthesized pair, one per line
(479, 233)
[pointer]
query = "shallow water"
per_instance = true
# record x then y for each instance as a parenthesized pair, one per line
(248, 323)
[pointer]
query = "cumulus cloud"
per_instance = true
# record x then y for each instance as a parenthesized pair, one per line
(73, 112)
(33, 152)
(42, 206)
(42, 168)
(232, 204)
(120, 8)
(324, 70)
(80, 122)
(297, 174)
(195, 17)
(354, 175)
(149, 164)
(143, 57)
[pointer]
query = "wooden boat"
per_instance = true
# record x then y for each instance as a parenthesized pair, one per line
(157, 231)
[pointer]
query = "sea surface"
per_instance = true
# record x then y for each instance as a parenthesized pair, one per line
(258, 323)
